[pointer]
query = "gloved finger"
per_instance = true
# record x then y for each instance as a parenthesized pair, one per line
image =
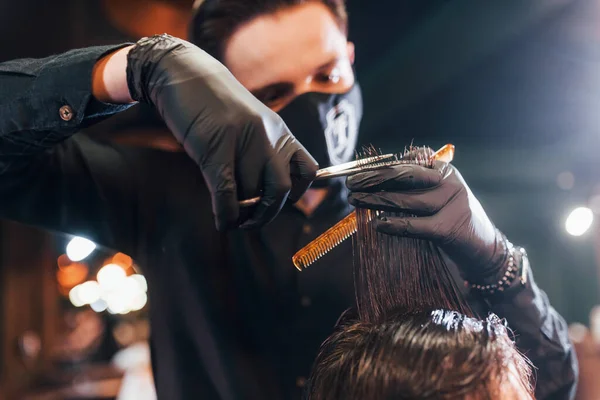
(426, 228)
(223, 191)
(417, 203)
(397, 178)
(277, 185)
(303, 169)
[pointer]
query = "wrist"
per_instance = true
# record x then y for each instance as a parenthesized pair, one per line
(109, 78)
(513, 273)
(489, 269)
(145, 60)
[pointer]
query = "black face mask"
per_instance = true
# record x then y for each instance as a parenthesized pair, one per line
(326, 124)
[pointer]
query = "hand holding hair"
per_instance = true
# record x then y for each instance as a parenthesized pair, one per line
(443, 210)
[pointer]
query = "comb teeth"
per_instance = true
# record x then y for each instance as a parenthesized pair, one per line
(326, 242)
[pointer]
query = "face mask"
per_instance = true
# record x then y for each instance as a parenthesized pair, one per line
(326, 124)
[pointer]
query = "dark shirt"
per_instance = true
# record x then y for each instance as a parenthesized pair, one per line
(230, 316)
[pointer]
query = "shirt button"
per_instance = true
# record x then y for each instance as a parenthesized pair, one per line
(66, 113)
(300, 381)
(305, 301)
(307, 229)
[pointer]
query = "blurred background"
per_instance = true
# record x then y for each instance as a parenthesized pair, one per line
(514, 84)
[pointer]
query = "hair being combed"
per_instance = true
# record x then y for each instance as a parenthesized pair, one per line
(399, 273)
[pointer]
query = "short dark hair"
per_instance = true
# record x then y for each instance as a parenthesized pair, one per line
(215, 21)
(438, 355)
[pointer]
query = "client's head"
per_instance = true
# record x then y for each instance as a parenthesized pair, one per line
(427, 355)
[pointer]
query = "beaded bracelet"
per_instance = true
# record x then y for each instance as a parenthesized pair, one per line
(513, 270)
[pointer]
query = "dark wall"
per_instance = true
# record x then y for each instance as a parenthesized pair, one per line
(28, 303)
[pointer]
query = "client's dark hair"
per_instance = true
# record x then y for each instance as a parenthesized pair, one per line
(215, 21)
(405, 344)
(438, 355)
(398, 273)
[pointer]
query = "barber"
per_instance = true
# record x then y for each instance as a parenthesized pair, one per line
(242, 147)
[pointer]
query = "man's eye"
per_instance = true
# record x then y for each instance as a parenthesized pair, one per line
(271, 98)
(332, 77)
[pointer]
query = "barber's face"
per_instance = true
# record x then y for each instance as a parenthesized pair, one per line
(297, 50)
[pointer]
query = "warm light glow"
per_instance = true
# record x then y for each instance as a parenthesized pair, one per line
(123, 260)
(70, 275)
(79, 248)
(128, 295)
(579, 221)
(141, 281)
(138, 302)
(114, 292)
(117, 304)
(89, 292)
(63, 261)
(74, 297)
(110, 277)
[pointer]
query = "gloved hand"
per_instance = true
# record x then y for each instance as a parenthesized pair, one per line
(443, 210)
(241, 146)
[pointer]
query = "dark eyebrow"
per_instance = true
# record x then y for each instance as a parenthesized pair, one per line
(280, 87)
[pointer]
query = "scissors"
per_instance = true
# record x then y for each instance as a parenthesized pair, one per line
(344, 169)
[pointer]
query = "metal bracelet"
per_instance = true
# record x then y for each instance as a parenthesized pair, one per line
(513, 270)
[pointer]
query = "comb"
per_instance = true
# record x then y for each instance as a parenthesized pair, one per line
(344, 229)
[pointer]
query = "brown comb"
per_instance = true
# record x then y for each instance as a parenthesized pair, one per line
(341, 231)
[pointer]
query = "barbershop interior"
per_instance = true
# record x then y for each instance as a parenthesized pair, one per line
(299, 199)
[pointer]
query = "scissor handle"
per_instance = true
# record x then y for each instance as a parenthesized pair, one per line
(446, 153)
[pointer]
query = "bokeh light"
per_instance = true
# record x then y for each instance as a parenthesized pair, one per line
(565, 180)
(123, 260)
(138, 302)
(63, 261)
(99, 305)
(89, 292)
(79, 248)
(112, 291)
(74, 297)
(579, 221)
(70, 275)
(110, 277)
(141, 281)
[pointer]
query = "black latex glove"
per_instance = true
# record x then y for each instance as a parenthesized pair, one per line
(445, 212)
(241, 146)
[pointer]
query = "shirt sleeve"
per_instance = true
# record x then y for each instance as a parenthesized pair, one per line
(45, 101)
(35, 92)
(541, 334)
(50, 179)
